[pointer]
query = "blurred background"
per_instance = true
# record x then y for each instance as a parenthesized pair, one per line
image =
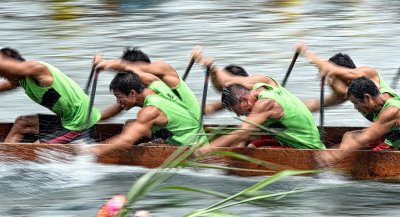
(258, 34)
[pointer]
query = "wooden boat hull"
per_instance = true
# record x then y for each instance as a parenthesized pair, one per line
(371, 165)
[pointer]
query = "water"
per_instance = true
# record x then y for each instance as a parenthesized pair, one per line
(259, 35)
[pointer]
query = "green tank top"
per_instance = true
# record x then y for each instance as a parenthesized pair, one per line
(299, 129)
(188, 98)
(185, 128)
(160, 88)
(392, 137)
(385, 88)
(180, 94)
(64, 97)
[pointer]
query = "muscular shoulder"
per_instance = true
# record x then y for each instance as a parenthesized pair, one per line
(254, 79)
(35, 68)
(391, 116)
(262, 79)
(367, 71)
(161, 65)
(268, 106)
(148, 113)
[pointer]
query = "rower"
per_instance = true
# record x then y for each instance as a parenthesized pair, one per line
(157, 112)
(158, 76)
(265, 103)
(367, 99)
(223, 79)
(49, 87)
(340, 71)
(153, 75)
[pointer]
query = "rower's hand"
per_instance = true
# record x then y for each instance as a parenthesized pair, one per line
(301, 47)
(197, 53)
(328, 158)
(97, 58)
(203, 150)
(95, 149)
(102, 65)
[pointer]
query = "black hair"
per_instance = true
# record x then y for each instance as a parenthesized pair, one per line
(360, 86)
(12, 53)
(344, 60)
(232, 95)
(236, 70)
(126, 81)
(134, 54)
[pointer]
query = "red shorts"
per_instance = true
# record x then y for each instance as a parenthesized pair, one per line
(270, 141)
(379, 145)
(52, 132)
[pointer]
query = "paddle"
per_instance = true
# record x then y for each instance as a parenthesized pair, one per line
(203, 100)
(296, 54)
(92, 95)
(89, 80)
(321, 108)
(188, 69)
(396, 79)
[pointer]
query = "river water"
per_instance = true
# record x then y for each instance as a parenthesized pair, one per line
(259, 35)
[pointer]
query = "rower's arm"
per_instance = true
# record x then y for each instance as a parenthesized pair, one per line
(361, 139)
(130, 134)
(6, 84)
(263, 109)
(326, 67)
(347, 74)
(330, 100)
(164, 71)
(111, 111)
(213, 107)
(120, 65)
(219, 77)
(10, 68)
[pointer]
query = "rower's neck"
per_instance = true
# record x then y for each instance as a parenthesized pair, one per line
(382, 98)
(142, 96)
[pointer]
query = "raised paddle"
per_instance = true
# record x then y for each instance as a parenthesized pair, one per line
(296, 54)
(92, 95)
(89, 80)
(396, 79)
(203, 100)
(188, 68)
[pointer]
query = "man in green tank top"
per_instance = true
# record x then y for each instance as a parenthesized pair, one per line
(157, 112)
(265, 103)
(300, 121)
(340, 70)
(365, 96)
(136, 60)
(49, 87)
